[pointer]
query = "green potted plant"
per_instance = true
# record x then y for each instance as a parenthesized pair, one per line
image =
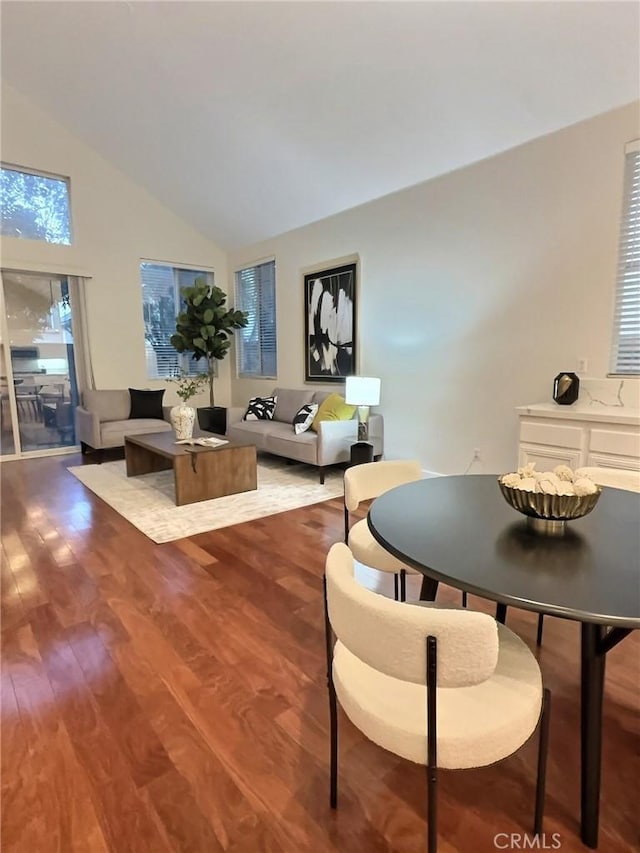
(183, 417)
(204, 328)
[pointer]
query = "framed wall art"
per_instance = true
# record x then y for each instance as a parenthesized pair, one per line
(330, 324)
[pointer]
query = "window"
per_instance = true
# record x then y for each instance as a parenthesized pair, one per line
(626, 329)
(161, 285)
(35, 206)
(256, 353)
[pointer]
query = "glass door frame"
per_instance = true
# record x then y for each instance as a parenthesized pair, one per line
(78, 342)
(8, 367)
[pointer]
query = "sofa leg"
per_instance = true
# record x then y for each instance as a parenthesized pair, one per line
(84, 448)
(321, 476)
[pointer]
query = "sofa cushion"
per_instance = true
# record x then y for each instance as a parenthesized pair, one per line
(260, 409)
(146, 404)
(281, 439)
(334, 408)
(250, 432)
(107, 405)
(290, 401)
(304, 418)
(112, 433)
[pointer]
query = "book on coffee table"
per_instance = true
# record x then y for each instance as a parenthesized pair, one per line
(204, 442)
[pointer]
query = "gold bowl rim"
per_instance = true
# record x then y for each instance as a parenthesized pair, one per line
(549, 507)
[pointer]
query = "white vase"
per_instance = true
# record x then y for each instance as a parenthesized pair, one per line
(182, 420)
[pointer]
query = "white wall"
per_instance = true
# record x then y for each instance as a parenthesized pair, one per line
(116, 223)
(476, 289)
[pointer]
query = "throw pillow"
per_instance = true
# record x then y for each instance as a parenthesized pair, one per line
(260, 409)
(146, 404)
(334, 408)
(304, 418)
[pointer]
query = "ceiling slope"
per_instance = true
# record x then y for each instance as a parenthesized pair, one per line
(249, 119)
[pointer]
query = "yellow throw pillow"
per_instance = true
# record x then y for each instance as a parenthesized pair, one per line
(334, 408)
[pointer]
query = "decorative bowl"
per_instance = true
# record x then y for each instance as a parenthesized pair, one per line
(548, 513)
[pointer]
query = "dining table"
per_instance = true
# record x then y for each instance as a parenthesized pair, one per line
(459, 530)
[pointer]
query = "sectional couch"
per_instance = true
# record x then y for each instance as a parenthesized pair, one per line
(329, 446)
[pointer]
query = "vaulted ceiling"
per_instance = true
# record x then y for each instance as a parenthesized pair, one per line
(249, 119)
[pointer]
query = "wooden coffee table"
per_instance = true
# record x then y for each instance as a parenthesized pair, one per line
(200, 473)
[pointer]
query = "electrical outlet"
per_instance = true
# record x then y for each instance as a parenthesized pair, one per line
(476, 454)
(582, 365)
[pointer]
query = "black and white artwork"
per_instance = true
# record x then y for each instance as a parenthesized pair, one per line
(330, 324)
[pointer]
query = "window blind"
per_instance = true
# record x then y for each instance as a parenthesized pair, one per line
(161, 287)
(626, 331)
(256, 351)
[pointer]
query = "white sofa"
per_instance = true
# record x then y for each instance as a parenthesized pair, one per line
(329, 446)
(103, 420)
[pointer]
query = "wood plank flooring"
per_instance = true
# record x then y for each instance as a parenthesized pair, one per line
(172, 698)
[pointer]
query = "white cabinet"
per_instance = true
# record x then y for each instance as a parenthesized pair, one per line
(607, 436)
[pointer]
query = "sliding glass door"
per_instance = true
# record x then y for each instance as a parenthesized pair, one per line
(37, 364)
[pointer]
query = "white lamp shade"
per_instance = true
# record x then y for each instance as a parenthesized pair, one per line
(362, 391)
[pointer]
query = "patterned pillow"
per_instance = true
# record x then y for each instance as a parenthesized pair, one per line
(260, 409)
(304, 418)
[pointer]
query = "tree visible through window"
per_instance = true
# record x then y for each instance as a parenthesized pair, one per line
(35, 206)
(161, 286)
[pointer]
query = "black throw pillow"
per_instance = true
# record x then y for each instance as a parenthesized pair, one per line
(260, 409)
(146, 404)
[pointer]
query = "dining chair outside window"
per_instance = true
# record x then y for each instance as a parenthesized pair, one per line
(446, 688)
(615, 478)
(362, 483)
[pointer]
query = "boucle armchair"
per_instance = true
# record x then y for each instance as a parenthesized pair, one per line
(362, 483)
(443, 687)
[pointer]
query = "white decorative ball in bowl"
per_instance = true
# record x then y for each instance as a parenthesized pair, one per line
(550, 498)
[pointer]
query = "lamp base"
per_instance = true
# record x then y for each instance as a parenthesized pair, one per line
(363, 423)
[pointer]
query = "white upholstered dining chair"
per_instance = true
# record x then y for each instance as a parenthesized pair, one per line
(362, 483)
(442, 687)
(614, 478)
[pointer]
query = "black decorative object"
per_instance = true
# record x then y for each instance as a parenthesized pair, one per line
(330, 324)
(360, 453)
(565, 388)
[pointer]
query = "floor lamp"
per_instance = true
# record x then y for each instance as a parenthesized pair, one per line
(363, 392)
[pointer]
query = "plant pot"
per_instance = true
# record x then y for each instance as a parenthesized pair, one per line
(213, 419)
(182, 419)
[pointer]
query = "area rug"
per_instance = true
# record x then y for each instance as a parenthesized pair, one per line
(148, 502)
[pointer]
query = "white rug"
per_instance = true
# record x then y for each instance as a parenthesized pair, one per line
(148, 502)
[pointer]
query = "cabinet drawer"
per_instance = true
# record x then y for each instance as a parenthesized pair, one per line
(615, 441)
(553, 434)
(609, 460)
(546, 458)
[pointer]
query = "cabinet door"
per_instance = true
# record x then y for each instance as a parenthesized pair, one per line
(546, 458)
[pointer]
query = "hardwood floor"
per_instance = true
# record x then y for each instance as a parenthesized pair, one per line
(173, 698)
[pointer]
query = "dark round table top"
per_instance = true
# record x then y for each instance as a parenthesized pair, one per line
(461, 531)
